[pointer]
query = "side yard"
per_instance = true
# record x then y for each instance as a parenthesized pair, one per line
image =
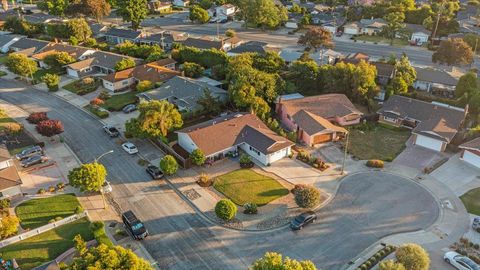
(471, 200)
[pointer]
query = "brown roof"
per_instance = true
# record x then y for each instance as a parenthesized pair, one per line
(52, 48)
(81, 64)
(384, 69)
(355, 58)
(165, 62)
(327, 106)
(224, 132)
(473, 144)
(149, 72)
(9, 178)
(438, 121)
(313, 124)
(4, 154)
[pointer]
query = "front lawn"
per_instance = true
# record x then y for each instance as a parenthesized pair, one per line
(3, 59)
(5, 120)
(38, 212)
(377, 141)
(246, 185)
(380, 39)
(45, 247)
(471, 200)
(83, 86)
(117, 102)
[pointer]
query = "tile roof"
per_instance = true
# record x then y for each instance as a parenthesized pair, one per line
(436, 120)
(9, 178)
(435, 76)
(473, 144)
(153, 72)
(313, 124)
(327, 106)
(224, 132)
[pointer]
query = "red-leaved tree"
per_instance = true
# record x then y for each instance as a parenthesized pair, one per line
(96, 101)
(35, 118)
(49, 128)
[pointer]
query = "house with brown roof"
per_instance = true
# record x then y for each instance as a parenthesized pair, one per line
(98, 62)
(238, 131)
(10, 182)
(77, 52)
(433, 125)
(385, 72)
(471, 152)
(318, 119)
(154, 72)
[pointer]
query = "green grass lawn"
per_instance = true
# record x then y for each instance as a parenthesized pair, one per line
(245, 185)
(5, 120)
(376, 141)
(45, 247)
(3, 59)
(380, 39)
(80, 88)
(38, 212)
(471, 200)
(117, 102)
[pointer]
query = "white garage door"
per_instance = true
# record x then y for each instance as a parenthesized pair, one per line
(471, 158)
(429, 143)
(72, 73)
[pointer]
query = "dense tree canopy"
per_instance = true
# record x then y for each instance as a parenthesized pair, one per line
(58, 60)
(413, 257)
(79, 29)
(316, 37)
(125, 63)
(261, 13)
(134, 11)
(394, 24)
(97, 8)
(88, 177)
(198, 14)
(453, 52)
(21, 65)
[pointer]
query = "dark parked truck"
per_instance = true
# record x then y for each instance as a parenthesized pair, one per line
(134, 225)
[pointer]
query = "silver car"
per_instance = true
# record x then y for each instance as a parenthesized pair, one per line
(33, 160)
(31, 151)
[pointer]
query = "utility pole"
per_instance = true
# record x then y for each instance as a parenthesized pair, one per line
(440, 11)
(345, 155)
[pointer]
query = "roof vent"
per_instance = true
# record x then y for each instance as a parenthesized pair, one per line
(238, 115)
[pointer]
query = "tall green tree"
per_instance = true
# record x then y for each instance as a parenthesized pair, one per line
(88, 177)
(57, 7)
(97, 8)
(394, 25)
(405, 70)
(134, 11)
(316, 37)
(125, 63)
(275, 261)
(9, 226)
(467, 87)
(261, 13)
(156, 119)
(79, 29)
(21, 65)
(58, 60)
(198, 14)
(210, 105)
(304, 75)
(454, 51)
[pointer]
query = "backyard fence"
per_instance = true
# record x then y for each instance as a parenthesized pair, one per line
(184, 162)
(39, 230)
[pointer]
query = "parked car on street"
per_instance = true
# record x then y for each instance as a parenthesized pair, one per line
(111, 131)
(303, 220)
(460, 262)
(134, 226)
(130, 148)
(32, 151)
(33, 160)
(154, 172)
(129, 108)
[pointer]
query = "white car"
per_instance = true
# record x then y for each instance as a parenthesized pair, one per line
(130, 148)
(460, 262)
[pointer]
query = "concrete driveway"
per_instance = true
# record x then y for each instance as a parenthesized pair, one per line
(418, 157)
(458, 175)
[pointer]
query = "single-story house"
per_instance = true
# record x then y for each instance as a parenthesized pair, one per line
(314, 117)
(205, 43)
(159, 6)
(221, 136)
(249, 47)
(164, 39)
(355, 58)
(385, 72)
(433, 125)
(10, 181)
(181, 3)
(471, 152)
(77, 52)
(118, 35)
(184, 93)
(321, 57)
(28, 46)
(154, 72)
(360, 2)
(365, 26)
(98, 29)
(225, 11)
(435, 81)
(418, 33)
(42, 18)
(7, 40)
(352, 28)
(98, 62)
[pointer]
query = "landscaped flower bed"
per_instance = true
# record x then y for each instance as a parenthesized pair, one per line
(312, 161)
(375, 163)
(376, 258)
(467, 248)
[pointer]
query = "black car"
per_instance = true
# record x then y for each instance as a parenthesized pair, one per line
(134, 226)
(302, 220)
(33, 160)
(111, 131)
(154, 172)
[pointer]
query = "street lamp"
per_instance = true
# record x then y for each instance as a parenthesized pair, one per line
(345, 155)
(96, 163)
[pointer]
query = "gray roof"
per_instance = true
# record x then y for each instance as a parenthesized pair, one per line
(4, 39)
(109, 60)
(435, 76)
(250, 46)
(415, 28)
(374, 23)
(202, 43)
(124, 33)
(97, 28)
(473, 144)
(436, 120)
(183, 92)
(27, 43)
(167, 38)
(40, 18)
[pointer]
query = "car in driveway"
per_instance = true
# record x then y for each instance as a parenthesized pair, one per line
(460, 262)
(111, 131)
(154, 172)
(130, 148)
(31, 151)
(33, 160)
(129, 108)
(303, 220)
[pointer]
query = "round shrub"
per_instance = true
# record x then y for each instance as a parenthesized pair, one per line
(35, 118)
(413, 257)
(225, 209)
(41, 191)
(78, 210)
(169, 165)
(307, 197)
(97, 225)
(49, 128)
(51, 189)
(58, 218)
(250, 208)
(375, 163)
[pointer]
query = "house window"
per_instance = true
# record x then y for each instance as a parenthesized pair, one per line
(124, 82)
(389, 119)
(255, 150)
(87, 69)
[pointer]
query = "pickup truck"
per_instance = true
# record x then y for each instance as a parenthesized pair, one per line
(111, 131)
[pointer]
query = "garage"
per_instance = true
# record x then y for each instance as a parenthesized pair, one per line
(321, 138)
(472, 158)
(429, 143)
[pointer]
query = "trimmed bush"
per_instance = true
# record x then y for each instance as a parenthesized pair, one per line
(413, 257)
(225, 209)
(49, 128)
(144, 86)
(35, 118)
(197, 157)
(98, 229)
(204, 180)
(250, 208)
(41, 191)
(96, 102)
(78, 210)
(51, 80)
(375, 163)
(168, 165)
(307, 197)
(51, 189)
(104, 95)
